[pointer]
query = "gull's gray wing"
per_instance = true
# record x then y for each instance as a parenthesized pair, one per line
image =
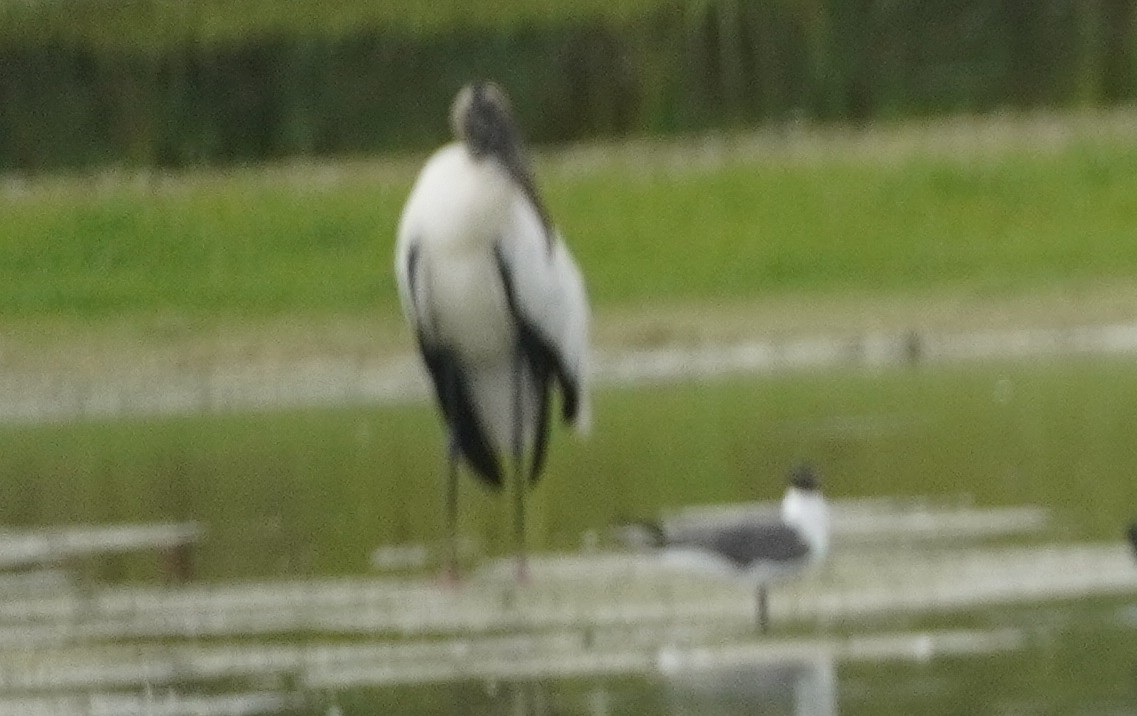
(745, 543)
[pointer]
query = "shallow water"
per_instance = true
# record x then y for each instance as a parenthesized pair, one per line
(959, 629)
(1079, 659)
(1033, 441)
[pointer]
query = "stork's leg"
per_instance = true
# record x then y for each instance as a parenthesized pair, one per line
(453, 453)
(763, 609)
(519, 467)
(450, 576)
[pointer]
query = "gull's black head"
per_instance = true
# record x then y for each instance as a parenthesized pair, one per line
(804, 477)
(483, 119)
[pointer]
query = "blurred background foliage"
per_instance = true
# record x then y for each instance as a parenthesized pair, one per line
(177, 83)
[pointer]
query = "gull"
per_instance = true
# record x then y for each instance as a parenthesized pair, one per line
(496, 302)
(757, 551)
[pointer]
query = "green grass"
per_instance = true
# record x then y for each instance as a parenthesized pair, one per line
(235, 246)
(250, 244)
(1016, 222)
(314, 491)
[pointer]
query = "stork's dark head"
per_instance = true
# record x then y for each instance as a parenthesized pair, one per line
(804, 477)
(483, 119)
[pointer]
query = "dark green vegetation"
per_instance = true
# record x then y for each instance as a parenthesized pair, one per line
(314, 491)
(318, 240)
(158, 83)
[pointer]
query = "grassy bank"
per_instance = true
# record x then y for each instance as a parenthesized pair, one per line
(318, 240)
(315, 491)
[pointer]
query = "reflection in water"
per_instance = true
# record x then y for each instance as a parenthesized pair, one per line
(805, 686)
(528, 698)
(802, 687)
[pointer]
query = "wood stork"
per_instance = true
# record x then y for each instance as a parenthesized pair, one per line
(496, 301)
(758, 551)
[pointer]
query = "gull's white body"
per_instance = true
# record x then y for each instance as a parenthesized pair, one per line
(808, 512)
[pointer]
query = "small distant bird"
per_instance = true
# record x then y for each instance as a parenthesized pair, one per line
(496, 301)
(758, 551)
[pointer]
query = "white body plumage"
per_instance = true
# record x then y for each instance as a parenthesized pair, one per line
(459, 210)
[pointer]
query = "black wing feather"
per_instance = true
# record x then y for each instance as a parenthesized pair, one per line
(570, 392)
(541, 440)
(544, 363)
(453, 395)
(452, 391)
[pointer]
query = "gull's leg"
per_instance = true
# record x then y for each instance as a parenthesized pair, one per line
(763, 609)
